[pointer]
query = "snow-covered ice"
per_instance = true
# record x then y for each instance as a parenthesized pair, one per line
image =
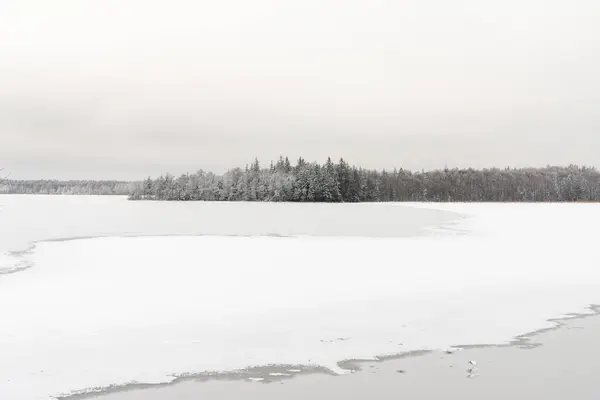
(115, 310)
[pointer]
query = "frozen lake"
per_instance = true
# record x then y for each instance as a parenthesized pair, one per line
(26, 219)
(153, 291)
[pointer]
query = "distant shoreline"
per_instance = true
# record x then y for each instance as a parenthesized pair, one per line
(341, 183)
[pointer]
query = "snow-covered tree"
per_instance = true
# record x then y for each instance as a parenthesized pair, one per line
(341, 182)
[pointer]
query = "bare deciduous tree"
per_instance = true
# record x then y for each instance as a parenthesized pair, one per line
(2, 179)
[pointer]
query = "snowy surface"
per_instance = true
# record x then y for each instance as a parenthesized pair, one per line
(26, 219)
(114, 310)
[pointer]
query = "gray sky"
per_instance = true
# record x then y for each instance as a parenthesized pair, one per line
(128, 88)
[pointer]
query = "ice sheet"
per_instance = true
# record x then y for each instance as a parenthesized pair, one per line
(110, 311)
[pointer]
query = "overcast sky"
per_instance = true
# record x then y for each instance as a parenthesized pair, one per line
(127, 88)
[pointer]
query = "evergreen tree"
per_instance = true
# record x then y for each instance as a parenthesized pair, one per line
(311, 182)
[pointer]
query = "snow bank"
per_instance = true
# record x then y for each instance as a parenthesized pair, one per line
(104, 311)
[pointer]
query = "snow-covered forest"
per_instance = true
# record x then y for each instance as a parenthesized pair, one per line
(66, 187)
(341, 182)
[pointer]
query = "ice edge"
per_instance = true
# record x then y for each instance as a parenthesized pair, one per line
(277, 372)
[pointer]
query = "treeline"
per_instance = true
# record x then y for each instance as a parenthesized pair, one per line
(67, 187)
(341, 182)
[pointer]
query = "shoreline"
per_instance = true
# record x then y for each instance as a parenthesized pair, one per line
(268, 374)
